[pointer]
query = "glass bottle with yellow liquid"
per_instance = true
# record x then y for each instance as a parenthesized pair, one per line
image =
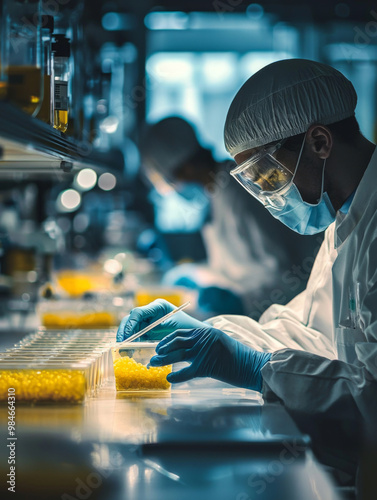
(22, 54)
(62, 51)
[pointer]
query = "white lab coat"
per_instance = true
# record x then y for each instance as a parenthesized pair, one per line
(237, 248)
(325, 340)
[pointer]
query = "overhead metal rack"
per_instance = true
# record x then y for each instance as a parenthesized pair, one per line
(31, 149)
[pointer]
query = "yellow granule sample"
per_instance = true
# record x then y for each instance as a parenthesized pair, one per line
(43, 385)
(78, 320)
(132, 375)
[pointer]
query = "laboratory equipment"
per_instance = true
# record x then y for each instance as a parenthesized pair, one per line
(88, 313)
(46, 110)
(44, 382)
(22, 57)
(62, 51)
(57, 366)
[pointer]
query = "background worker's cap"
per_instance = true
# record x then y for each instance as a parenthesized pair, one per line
(168, 144)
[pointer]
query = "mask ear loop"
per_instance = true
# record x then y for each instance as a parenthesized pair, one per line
(299, 158)
(323, 181)
(323, 169)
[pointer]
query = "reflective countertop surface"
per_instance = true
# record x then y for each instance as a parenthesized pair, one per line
(201, 442)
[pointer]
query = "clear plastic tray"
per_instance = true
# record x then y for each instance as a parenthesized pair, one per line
(48, 382)
(53, 348)
(131, 369)
(81, 314)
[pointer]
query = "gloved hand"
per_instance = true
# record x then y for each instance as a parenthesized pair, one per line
(212, 354)
(140, 317)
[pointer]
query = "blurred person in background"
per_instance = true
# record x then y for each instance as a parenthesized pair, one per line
(251, 258)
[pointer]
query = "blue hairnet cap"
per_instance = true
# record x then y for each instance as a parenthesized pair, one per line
(167, 144)
(283, 99)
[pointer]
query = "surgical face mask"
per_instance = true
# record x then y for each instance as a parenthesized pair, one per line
(286, 204)
(303, 217)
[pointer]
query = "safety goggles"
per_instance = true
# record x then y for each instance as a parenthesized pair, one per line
(264, 176)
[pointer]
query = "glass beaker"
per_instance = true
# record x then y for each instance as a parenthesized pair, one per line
(22, 54)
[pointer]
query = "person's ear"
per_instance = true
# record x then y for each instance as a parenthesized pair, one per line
(320, 141)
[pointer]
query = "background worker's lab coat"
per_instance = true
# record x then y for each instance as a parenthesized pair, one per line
(326, 338)
(247, 249)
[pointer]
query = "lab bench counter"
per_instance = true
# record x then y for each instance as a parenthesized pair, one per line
(186, 443)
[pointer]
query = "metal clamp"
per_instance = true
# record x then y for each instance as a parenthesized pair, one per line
(66, 166)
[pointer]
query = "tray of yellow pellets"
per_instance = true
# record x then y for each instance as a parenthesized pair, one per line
(175, 295)
(72, 319)
(75, 313)
(43, 384)
(76, 283)
(57, 366)
(131, 369)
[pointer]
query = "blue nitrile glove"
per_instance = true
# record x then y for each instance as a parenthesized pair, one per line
(186, 282)
(212, 354)
(140, 317)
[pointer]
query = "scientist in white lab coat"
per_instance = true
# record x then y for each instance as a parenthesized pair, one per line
(247, 250)
(291, 129)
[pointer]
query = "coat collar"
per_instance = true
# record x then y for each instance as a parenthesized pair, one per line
(346, 223)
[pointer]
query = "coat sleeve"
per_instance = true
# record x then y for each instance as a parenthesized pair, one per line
(313, 384)
(303, 324)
